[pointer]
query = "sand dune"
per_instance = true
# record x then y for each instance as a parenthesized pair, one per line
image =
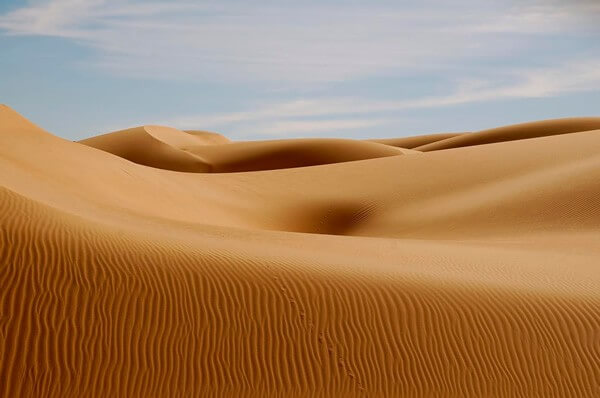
(515, 132)
(451, 265)
(209, 137)
(154, 146)
(416, 141)
(199, 151)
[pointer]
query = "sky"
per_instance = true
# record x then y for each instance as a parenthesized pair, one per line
(283, 69)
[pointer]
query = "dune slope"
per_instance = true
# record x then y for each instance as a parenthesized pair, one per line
(199, 151)
(515, 132)
(416, 141)
(131, 267)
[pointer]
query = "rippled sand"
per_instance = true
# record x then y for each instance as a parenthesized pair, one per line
(154, 262)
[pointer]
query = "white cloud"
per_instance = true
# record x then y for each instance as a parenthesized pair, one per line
(289, 43)
(52, 18)
(287, 128)
(486, 51)
(344, 113)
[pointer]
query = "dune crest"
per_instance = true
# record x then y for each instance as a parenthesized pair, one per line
(208, 137)
(416, 141)
(515, 132)
(154, 262)
(199, 151)
(155, 146)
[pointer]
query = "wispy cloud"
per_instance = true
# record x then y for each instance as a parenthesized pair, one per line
(308, 67)
(287, 128)
(287, 42)
(333, 114)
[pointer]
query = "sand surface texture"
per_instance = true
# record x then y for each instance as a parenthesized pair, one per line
(155, 262)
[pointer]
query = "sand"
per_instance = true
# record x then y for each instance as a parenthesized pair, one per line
(155, 262)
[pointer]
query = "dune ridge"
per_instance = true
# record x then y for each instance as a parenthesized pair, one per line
(520, 131)
(416, 141)
(464, 269)
(200, 151)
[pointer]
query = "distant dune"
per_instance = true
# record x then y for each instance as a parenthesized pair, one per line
(155, 262)
(171, 149)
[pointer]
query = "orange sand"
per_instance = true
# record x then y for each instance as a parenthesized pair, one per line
(153, 262)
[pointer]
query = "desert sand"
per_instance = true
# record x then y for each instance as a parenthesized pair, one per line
(155, 262)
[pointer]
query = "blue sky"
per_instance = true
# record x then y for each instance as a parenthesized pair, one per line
(281, 69)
